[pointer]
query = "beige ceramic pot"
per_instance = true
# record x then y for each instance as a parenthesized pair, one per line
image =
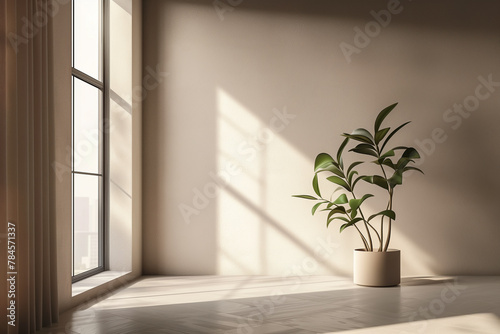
(377, 268)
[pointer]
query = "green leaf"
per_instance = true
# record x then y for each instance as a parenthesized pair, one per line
(354, 213)
(367, 146)
(392, 134)
(306, 197)
(361, 132)
(316, 206)
(382, 115)
(351, 175)
(389, 213)
(352, 222)
(388, 162)
(397, 178)
(354, 204)
(361, 135)
(383, 157)
(339, 209)
(322, 160)
(341, 149)
(408, 155)
(332, 168)
(387, 154)
(332, 219)
(365, 149)
(402, 163)
(354, 164)
(340, 218)
(342, 199)
(339, 181)
(315, 185)
(355, 220)
(412, 168)
(378, 180)
(358, 138)
(380, 134)
(336, 209)
(411, 153)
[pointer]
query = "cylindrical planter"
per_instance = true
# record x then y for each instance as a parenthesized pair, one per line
(377, 268)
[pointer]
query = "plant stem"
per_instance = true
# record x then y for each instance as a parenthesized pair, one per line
(366, 225)
(390, 223)
(360, 234)
(368, 247)
(380, 249)
(362, 237)
(382, 233)
(389, 206)
(374, 230)
(388, 236)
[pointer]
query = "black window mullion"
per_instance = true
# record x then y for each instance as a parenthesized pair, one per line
(72, 224)
(72, 169)
(105, 129)
(87, 78)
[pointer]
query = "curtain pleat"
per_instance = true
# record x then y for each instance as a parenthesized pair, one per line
(4, 104)
(26, 172)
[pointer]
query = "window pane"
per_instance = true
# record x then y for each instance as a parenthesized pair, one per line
(87, 136)
(86, 213)
(87, 40)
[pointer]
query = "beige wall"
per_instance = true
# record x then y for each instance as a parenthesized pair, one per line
(234, 67)
(125, 148)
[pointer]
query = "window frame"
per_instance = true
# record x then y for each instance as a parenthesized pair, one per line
(103, 86)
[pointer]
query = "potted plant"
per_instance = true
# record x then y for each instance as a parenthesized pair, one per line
(375, 264)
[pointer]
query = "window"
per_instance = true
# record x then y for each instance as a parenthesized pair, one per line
(89, 112)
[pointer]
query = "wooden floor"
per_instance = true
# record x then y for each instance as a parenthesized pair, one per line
(317, 304)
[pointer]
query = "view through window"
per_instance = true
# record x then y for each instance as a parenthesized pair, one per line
(88, 149)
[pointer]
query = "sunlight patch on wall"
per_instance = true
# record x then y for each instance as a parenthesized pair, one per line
(240, 228)
(120, 138)
(257, 233)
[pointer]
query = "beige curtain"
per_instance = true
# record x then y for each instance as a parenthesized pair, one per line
(25, 174)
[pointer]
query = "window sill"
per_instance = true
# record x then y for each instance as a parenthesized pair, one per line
(95, 281)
